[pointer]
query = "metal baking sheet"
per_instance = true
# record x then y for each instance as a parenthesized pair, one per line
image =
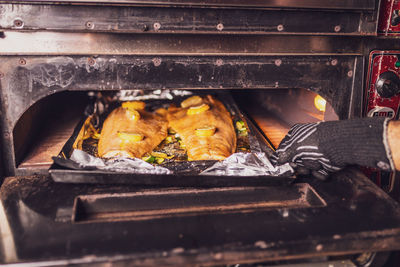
(182, 172)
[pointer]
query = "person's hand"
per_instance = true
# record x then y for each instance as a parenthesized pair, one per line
(325, 147)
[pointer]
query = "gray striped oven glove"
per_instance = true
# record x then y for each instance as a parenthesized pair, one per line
(325, 147)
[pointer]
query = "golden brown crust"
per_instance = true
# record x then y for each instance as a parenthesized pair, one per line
(153, 128)
(216, 147)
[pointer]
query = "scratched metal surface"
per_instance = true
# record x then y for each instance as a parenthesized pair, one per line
(349, 215)
(193, 19)
(336, 4)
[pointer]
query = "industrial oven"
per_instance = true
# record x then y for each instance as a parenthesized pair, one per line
(274, 58)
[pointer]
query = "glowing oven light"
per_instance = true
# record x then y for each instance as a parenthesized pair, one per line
(320, 103)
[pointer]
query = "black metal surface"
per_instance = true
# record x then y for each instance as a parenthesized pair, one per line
(183, 20)
(101, 177)
(334, 4)
(156, 204)
(28, 80)
(24, 84)
(357, 217)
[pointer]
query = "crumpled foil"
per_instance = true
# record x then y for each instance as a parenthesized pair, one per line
(139, 95)
(248, 164)
(238, 164)
(126, 165)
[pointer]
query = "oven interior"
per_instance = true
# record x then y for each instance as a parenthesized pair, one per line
(45, 127)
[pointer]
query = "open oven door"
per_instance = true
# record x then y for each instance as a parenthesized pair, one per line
(54, 223)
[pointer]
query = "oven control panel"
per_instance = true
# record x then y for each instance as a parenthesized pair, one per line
(389, 21)
(383, 85)
(382, 99)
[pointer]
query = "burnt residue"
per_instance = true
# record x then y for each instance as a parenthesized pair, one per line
(202, 238)
(42, 76)
(157, 205)
(167, 19)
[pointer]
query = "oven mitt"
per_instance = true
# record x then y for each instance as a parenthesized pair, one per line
(324, 147)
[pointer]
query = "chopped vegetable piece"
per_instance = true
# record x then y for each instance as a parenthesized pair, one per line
(132, 114)
(96, 136)
(205, 131)
(198, 109)
(149, 159)
(181, 144)
(240, 125)
(159, 154)
(243, 133)
(134, 105)
(160, 160)
(169, 140)
(130, 137)
(191, 101)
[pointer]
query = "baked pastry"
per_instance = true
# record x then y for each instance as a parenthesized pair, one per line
(205, 127)
(130, 131)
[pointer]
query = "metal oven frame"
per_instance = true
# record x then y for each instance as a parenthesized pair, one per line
(49, 47)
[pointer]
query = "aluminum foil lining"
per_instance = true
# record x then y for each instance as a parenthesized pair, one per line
(238, 164)
(126, 165)
(139, 95)
(248, 164)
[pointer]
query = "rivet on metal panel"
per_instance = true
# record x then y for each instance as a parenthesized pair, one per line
(219, 62)
(319, 247)
(1, 75)
(89, 25)
(220, 26)
(337, 28)
(91, 61)
(156, 26)
(350, 73)
(280, 28)
(156, 61)
(18, 23)
(334, 62)
(278, 62)
(22, 61)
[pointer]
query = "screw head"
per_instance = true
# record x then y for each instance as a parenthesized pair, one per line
(220, 26)
(337, 28)
(89, 25)
(156, 26)
(219, 62)
(278, 62)
(91, 61)
(18, 23)
(280, 27)
(156, 61)
(350, 73)
(22, 61)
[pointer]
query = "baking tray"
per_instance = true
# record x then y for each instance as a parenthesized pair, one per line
(185, 173)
